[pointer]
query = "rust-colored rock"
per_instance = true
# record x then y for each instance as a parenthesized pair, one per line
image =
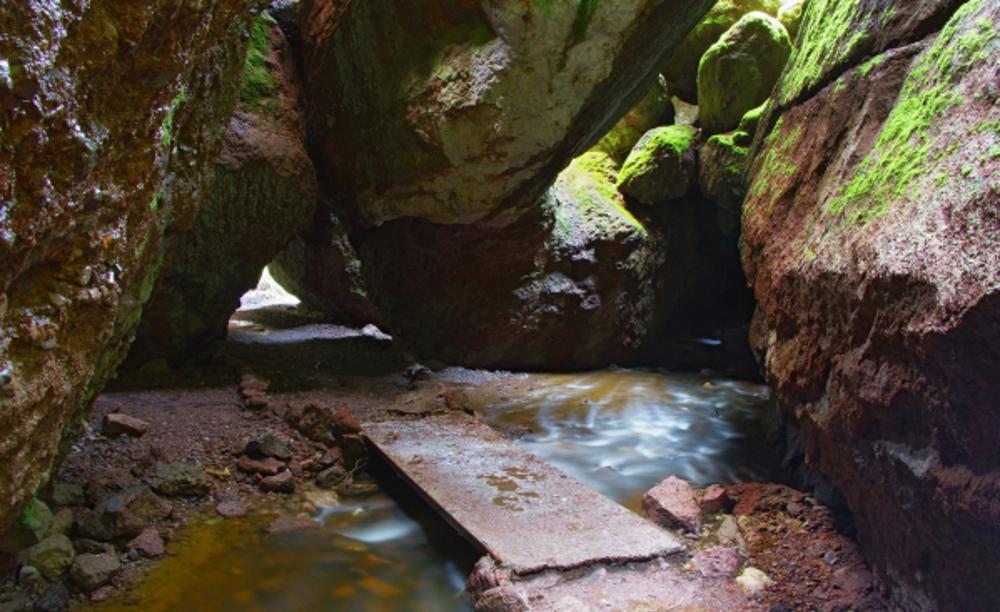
(870, 238)
(112, 112)
(673, 503)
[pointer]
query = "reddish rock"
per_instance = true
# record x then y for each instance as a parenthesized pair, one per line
(269, 466)
(715, 499)
(115, 424)
(149, 544)
(102, 594)
(717, 562)
(870, 240)
(231, 509)
(344, 422)
(127, 139)
(283, 482)
(673, 503)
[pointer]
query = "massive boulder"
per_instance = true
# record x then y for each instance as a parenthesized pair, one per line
(262, 193)
(102, 101)
(441, 125)
(681, 67)
(453, 111)
(737, 73)
(870, 238)
(578, 282)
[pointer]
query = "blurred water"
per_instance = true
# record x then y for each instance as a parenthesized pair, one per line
(622, 432)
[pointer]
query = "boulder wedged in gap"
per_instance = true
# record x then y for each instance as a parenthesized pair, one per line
(869, 236)
(450, 112)
(103, 101)
(263, 192)
(580, 282)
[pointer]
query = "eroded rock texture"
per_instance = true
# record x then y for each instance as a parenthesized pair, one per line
(870, 237)
(440, 127)
(262, 193)
(123, 105)
(455, 110)
(579, 282)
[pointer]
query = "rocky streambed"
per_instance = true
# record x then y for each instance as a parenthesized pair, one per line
(226, 488)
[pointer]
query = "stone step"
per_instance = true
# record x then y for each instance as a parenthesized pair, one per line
(525, 513)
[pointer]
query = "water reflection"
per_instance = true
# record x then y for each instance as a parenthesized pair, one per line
(623, 431)
(370, 555)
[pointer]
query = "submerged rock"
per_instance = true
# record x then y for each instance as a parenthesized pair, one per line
(870, 239)
(661, 166)
(738, 72)
(263, 192)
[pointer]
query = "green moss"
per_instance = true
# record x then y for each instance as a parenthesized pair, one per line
(581, 21)
(776, 163)
(822, 44)
(586, 199)
(867, 67)
(167, 129)
(905, 149)
(258, 87)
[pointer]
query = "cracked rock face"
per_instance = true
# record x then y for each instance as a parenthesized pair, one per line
(263, 191)
(123, 105)
(870, 238)
(455, 110)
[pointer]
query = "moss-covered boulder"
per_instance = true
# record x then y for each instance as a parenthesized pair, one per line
(870, 239)
(655, 109)
(662, 166)
(681, 67)
(790, 16)
(263, 192)
(577, 282)
(113, 111)
(739, 71)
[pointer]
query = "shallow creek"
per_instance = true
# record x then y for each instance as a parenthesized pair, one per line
(619, 432)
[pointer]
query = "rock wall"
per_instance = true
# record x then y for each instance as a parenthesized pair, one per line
(263, 191)
(123, 105)
(870, 239)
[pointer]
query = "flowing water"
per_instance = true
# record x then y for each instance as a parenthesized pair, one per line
(619, 432)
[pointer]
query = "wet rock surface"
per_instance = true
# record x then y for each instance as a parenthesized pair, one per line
(869, 238)
(81, 241)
